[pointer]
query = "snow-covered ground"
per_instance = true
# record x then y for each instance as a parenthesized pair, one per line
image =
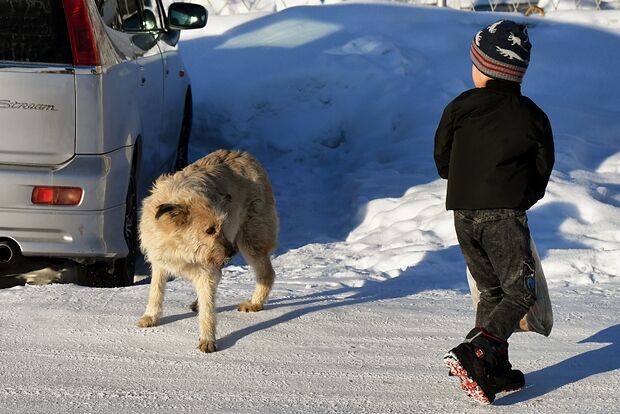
(340, 103)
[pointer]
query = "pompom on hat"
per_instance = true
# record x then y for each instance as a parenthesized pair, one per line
(502, 50)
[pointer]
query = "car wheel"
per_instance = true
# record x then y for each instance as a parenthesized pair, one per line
(186, 127)
(124, 269)
(121, 271)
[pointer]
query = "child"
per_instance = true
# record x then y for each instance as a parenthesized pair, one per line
(495, 147)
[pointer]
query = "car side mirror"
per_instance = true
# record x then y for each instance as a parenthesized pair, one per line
(186, 16)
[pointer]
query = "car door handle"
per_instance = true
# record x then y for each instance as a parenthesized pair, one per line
(142, 76)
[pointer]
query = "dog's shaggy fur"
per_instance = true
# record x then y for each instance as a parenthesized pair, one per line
(193, 223)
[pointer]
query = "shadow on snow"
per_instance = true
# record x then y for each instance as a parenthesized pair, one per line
(572, 370)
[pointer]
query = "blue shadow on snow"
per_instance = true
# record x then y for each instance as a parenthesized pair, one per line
(571, 370)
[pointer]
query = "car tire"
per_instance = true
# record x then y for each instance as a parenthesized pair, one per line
(186, 127)
(121, 271)
(124, 269)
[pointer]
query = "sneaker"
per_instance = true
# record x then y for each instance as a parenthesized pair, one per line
(472, 371)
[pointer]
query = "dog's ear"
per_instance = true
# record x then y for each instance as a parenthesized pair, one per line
(177, 212)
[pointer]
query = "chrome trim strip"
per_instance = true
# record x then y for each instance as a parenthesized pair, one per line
(47, 69)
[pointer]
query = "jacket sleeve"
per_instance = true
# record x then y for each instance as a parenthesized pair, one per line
(443, 141)
(545, 158)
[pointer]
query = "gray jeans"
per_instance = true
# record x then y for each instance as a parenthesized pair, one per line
(496, 247)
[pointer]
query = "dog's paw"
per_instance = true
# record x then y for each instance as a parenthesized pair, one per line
(248, 306)
(207, 346)
(147, 321)
(194, 306)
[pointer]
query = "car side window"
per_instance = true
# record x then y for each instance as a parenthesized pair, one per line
(109, 12)
(131, 15)
(152, 15)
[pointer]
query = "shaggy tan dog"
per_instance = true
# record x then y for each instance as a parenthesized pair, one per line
(193, 223)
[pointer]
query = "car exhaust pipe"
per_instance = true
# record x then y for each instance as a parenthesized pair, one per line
(7, 252)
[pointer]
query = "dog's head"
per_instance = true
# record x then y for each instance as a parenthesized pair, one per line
(186, 231)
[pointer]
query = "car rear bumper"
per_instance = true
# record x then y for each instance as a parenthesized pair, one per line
(71, 234)
(94, 228)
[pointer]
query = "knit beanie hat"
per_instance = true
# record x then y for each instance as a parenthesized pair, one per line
(502, 50)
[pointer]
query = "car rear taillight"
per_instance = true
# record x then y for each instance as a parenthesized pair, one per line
(83, 41)
(57, 196)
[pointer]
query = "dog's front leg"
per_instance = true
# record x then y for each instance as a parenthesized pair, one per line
(206, 287)
(156, 298)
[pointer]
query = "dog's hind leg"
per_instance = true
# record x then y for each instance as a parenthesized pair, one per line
(206, 286)
(156, 298)
(265, 277)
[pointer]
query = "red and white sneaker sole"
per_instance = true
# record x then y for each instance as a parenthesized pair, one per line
(468, 385)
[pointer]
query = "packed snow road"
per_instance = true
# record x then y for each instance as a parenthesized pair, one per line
(66, 348)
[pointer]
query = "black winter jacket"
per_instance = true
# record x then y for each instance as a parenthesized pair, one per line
(495, 147)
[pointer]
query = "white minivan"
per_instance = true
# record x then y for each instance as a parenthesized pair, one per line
(94, 103)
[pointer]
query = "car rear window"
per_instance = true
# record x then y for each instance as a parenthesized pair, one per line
(34, 31)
